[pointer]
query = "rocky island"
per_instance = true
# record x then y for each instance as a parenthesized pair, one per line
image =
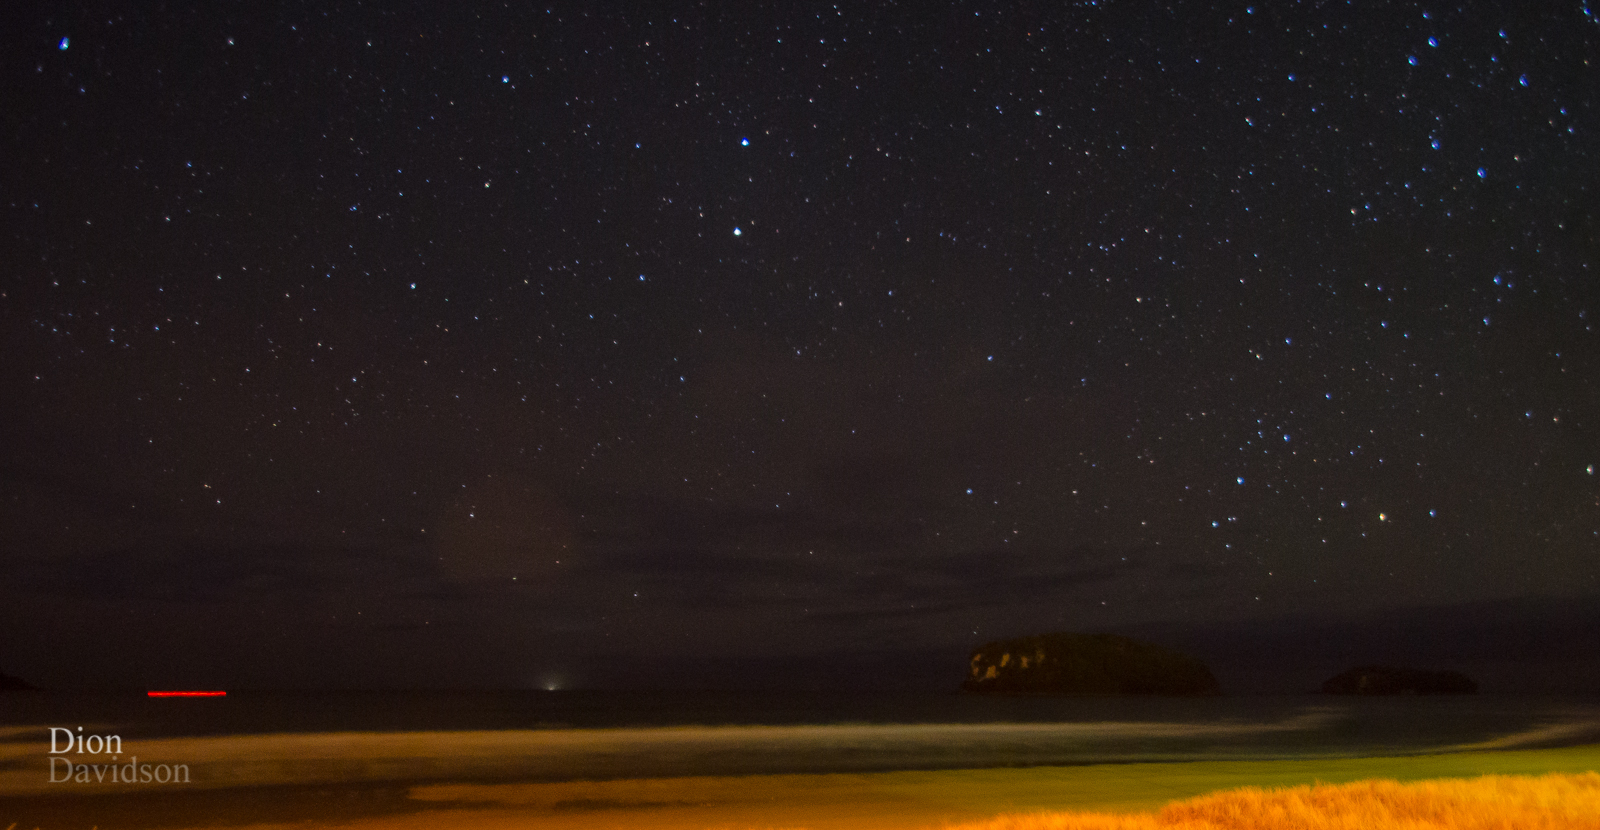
(1085, 664)
(1389, 680)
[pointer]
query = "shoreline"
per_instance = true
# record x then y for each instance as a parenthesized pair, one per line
(900, 800)
(28, 763)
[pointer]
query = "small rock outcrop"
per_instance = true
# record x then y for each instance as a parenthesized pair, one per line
(1085, 664)
(1389, 680)
(13, 684)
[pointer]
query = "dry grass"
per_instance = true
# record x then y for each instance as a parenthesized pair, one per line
(1497, 802)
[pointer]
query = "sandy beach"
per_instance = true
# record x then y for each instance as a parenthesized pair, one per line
(434, 780)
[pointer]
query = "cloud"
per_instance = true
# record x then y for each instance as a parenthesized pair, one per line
(201, 571)
(504, 527)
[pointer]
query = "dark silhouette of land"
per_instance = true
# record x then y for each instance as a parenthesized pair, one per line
(1095, 664)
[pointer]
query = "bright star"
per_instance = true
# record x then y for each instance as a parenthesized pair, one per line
(737, 232)
(65, 43)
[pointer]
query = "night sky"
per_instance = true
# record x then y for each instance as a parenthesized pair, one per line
(576, 345)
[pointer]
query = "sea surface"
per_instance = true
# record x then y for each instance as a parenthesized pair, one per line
(305, 737)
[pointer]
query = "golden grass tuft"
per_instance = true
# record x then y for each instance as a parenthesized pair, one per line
(1492, 802)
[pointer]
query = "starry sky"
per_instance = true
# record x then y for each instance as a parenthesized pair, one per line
(557, 345)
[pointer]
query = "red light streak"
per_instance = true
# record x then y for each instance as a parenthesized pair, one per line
(187, 694)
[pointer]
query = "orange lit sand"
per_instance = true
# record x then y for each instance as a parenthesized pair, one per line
(940, 800)
(1551, 802)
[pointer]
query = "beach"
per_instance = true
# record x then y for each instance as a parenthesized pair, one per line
(374, 781)
(713, 760)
